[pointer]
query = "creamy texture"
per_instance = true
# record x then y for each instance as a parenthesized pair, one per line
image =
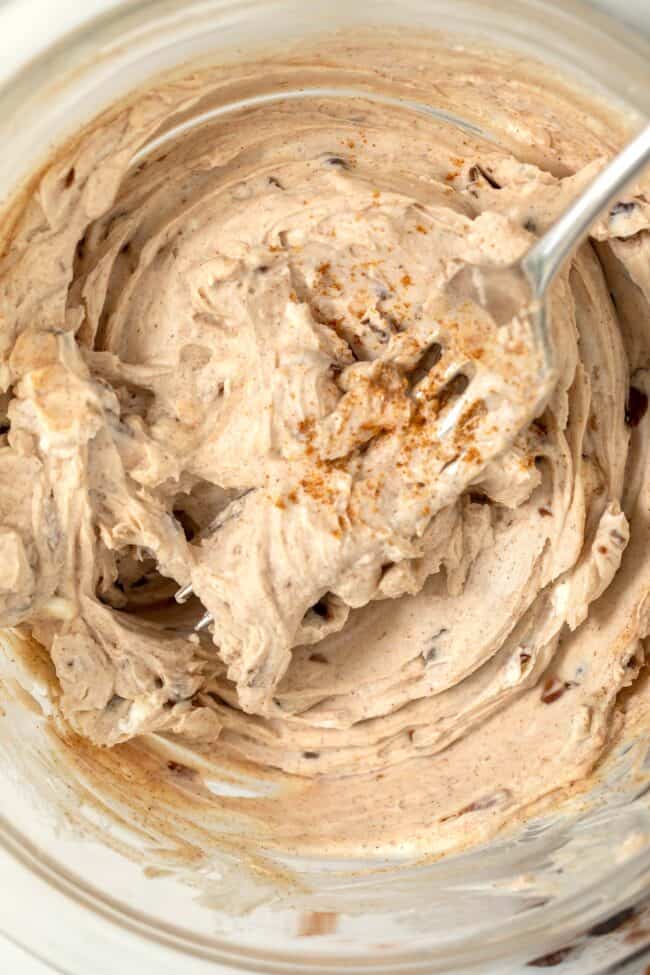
(216, 363)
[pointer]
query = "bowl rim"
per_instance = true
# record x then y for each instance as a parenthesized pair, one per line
(117, 19)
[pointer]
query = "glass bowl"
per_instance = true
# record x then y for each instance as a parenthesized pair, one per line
(94, 877)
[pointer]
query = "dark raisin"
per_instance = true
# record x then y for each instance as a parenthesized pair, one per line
(552, 959)
(477, 171)
(530, 226)
(612, 923)
(432, 651)
(70, 176)
(622, 207)
(637, 406)
(553, 690)
(337, 161)
(310, 755)
(477, 497)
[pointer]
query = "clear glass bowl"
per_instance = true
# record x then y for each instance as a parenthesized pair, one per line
(566, 891)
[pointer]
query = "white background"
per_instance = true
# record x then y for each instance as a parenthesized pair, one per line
(13, 960)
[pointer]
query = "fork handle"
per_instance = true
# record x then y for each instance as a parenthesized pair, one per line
(547, 256)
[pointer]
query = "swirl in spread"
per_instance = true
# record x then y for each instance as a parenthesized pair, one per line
(210, 361)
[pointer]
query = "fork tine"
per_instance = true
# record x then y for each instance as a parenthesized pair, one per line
(204, 622)
(184, 594)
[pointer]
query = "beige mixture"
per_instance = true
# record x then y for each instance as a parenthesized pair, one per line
(214, 361)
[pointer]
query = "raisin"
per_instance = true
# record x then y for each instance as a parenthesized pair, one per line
(553, 689)
(612, 923)
(622, 207)
(476, 171)
(552, 959)
(637, 406)
(338, 161)
(318, 658)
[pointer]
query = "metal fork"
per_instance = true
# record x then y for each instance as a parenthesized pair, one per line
(507, 294)
(525, 284)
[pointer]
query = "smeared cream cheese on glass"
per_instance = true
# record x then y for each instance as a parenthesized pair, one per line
(210, 359)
